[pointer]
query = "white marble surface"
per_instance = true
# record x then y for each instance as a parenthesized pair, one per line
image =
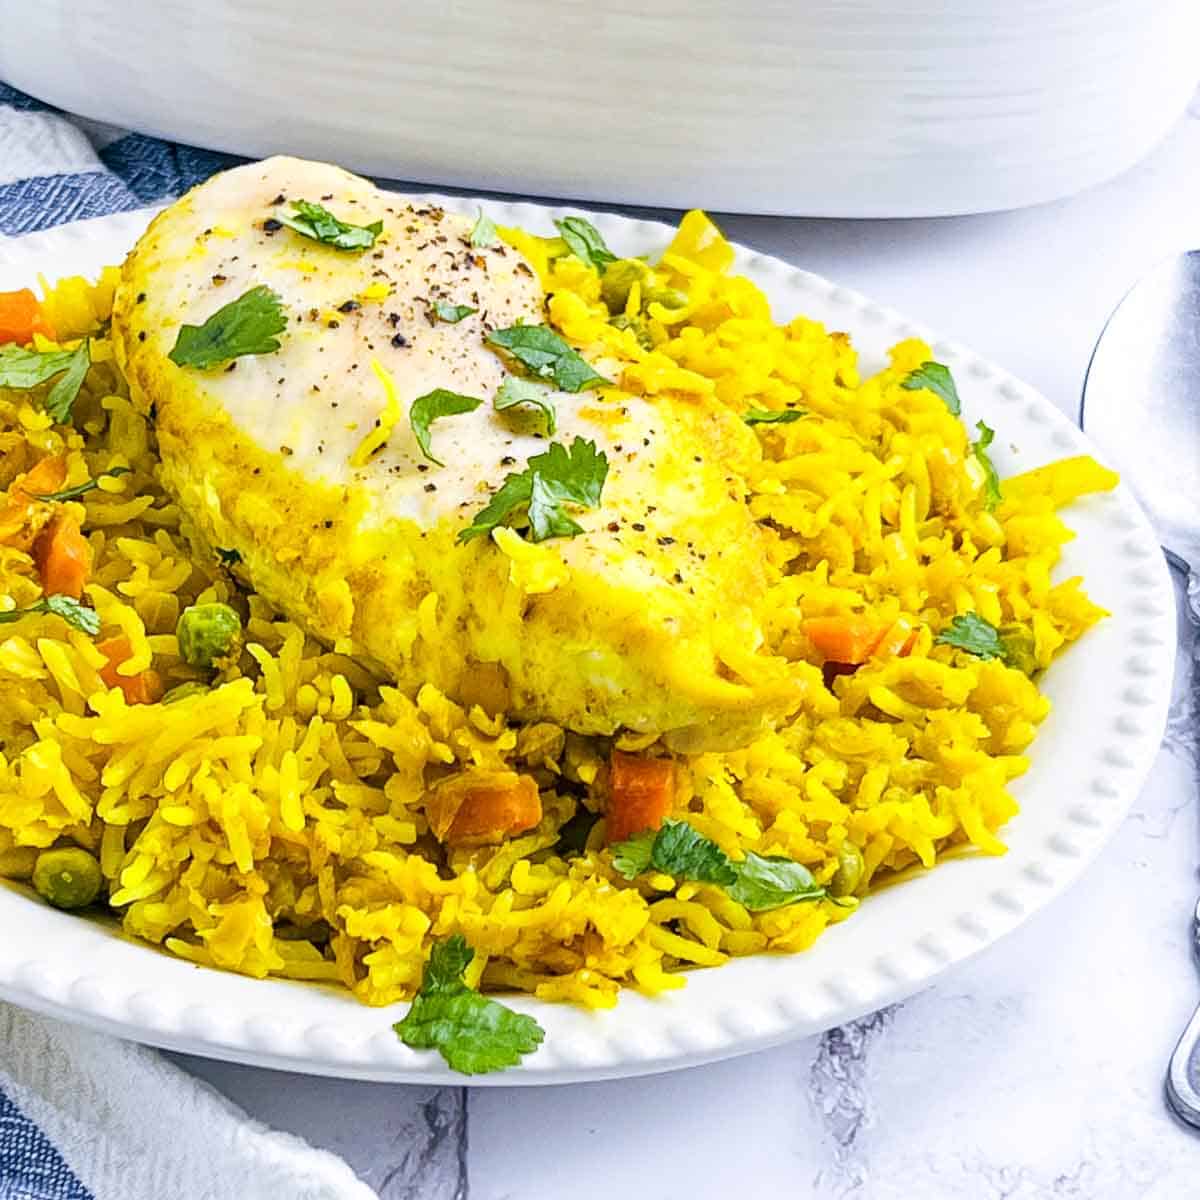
(1034, 1072)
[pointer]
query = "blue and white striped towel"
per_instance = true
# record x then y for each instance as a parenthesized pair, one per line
(84, 1116)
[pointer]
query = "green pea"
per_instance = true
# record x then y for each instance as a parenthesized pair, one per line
(849, 873)
(208, 632)
(1019, 649)
(638, 327)
(618, 278)
(68, 878)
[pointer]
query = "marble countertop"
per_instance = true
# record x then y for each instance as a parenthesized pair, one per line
(1031, 1073)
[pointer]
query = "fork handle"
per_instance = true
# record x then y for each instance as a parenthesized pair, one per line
(1182, 1093)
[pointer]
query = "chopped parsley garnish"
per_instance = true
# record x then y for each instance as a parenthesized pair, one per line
(23, 369)
(514, 391)
(317, 222)
(483, 232)
(247, 325)
(936, 378)
(428, 408)
(991, 481)
(584, 241)
(473, 1033)
(975, 635)
(77, 615)
(544, 354)
(550, 481)
(451, 313)
(768, 416)
(757, 883)
(82, 489)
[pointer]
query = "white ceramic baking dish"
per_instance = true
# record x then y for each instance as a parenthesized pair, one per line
(820, 107)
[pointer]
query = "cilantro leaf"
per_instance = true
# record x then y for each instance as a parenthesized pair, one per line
(451, 313)
(77, 615)
(82, 489)
(767, 416)
(772, 882)
(576, 475)
(428, 408)
(936, 378)
(247, 325)
(23, 369)
(317, 222)
(757, 882)
(557, 477)
(682, 852)
(512, 493)
(584, 241)
(483, 232)
(544, 354)
(631, 858)
(991, 481)
(970, 632)
(514, 391)
(473, 1033)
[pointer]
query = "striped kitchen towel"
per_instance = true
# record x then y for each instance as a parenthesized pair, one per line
(84, 1116)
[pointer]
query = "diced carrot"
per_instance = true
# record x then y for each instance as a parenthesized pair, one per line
(143, 688)
(46, 477)
(19, 515)
(21, 317)
(63, 557)
(488, 814)
(846, 639)
(640, 794)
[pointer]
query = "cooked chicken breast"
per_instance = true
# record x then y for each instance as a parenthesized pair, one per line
(645, 621)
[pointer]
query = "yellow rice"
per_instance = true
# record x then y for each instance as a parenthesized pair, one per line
(275, 824)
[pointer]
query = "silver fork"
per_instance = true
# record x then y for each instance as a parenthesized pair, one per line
(1141, 402)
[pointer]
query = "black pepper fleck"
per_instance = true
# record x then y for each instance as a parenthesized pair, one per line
(400, 341)
(349, 306)
(271, 225)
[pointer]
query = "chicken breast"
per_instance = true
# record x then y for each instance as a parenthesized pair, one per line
(295, 460)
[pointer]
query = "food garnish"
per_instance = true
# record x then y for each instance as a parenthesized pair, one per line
(550, 481)
(82, 489)
(975, 635)
(317, 222)
(514, 391)
(430, 407)
(20, 368)
(544, 354)
(767, 416)
(584, 241)
(757, 882)
(77, 615)
(451, 313)
(936, 378)
(483, 232)
(247, 325)
(991, 480)
(473, 1033)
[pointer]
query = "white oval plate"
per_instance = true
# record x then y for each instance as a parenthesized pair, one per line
(1110, 695)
